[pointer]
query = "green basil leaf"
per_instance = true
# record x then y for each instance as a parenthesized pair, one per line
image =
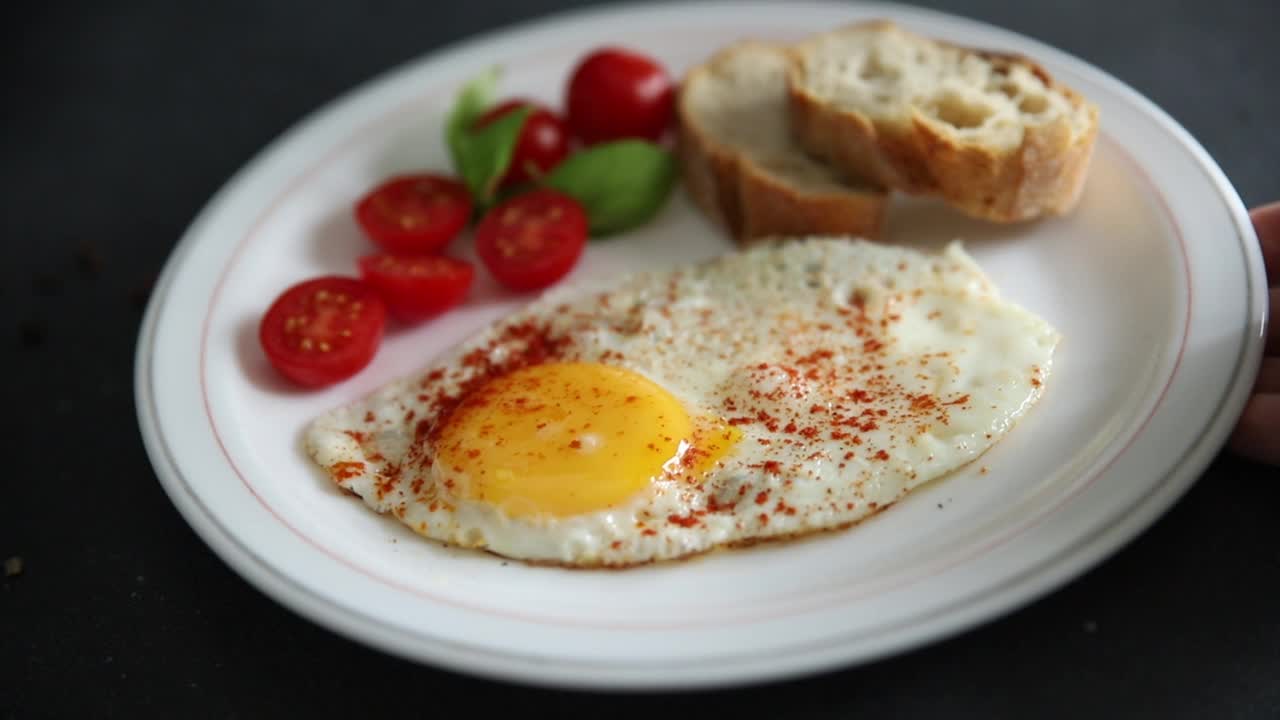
(482, 156)
(486, 153)
(621, 184)
(474, 98)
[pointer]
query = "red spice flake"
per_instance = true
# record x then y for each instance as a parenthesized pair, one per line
(387, 483)
(356, 435)
(416, 485)
(857, 440)
(695, 455)
(817, 409)
(872, 345)
(868, 426)
(958, 401)
(576, 444)
(839, 435)
(741, 420)
(764, 441)
(983, 470)
(434, 506)
(881, 455)
(848, 455)
(762, 497)
(790, 428)
(764, 519)
(448, 483)
(682, 521)
(714, 506)
(772, 466)
(615, 544)
(473, 453)
(815, 356)
(1035, 382)
(346, 470)
(860, 396)
(882, 412)
(923, 402)
(784, 508)
(369, 416)
(409, 416)
(421, 430)
(848, 506)
(810, 432)
(649, 531)
(873, 505)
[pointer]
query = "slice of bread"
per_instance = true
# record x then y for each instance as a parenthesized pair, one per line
(741, 164)
(992, 134)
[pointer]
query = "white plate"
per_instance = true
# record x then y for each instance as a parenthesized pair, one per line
(1155, 281)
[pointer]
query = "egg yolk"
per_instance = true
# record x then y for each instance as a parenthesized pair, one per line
(567, 438)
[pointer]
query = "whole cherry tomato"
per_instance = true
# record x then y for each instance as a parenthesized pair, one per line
(616, 93)
(543, 141)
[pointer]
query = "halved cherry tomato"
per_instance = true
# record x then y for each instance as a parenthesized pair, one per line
(532, 240)
(323, 330)
(616, 93)
(417, 287)
(543, 141)
(415, 213)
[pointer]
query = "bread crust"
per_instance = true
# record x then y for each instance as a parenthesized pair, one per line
(750, 202)
(1043, 175)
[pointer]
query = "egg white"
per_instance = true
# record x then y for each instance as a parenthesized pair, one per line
(954, 367)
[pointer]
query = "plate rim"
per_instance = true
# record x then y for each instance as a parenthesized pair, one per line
(1076, 558)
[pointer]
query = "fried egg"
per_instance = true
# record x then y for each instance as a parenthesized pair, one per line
(792, 387)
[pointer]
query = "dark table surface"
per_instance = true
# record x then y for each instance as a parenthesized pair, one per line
(123, 118)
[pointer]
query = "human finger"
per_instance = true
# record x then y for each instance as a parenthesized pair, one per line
(1257, 434)
(1266, 223)
(1269, 380)
(1273, 327)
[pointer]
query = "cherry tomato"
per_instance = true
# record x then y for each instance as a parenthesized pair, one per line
(323, 330)
(417, 287)
(615, 93)
(543, 141)
(532, 240)
(415, 213)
